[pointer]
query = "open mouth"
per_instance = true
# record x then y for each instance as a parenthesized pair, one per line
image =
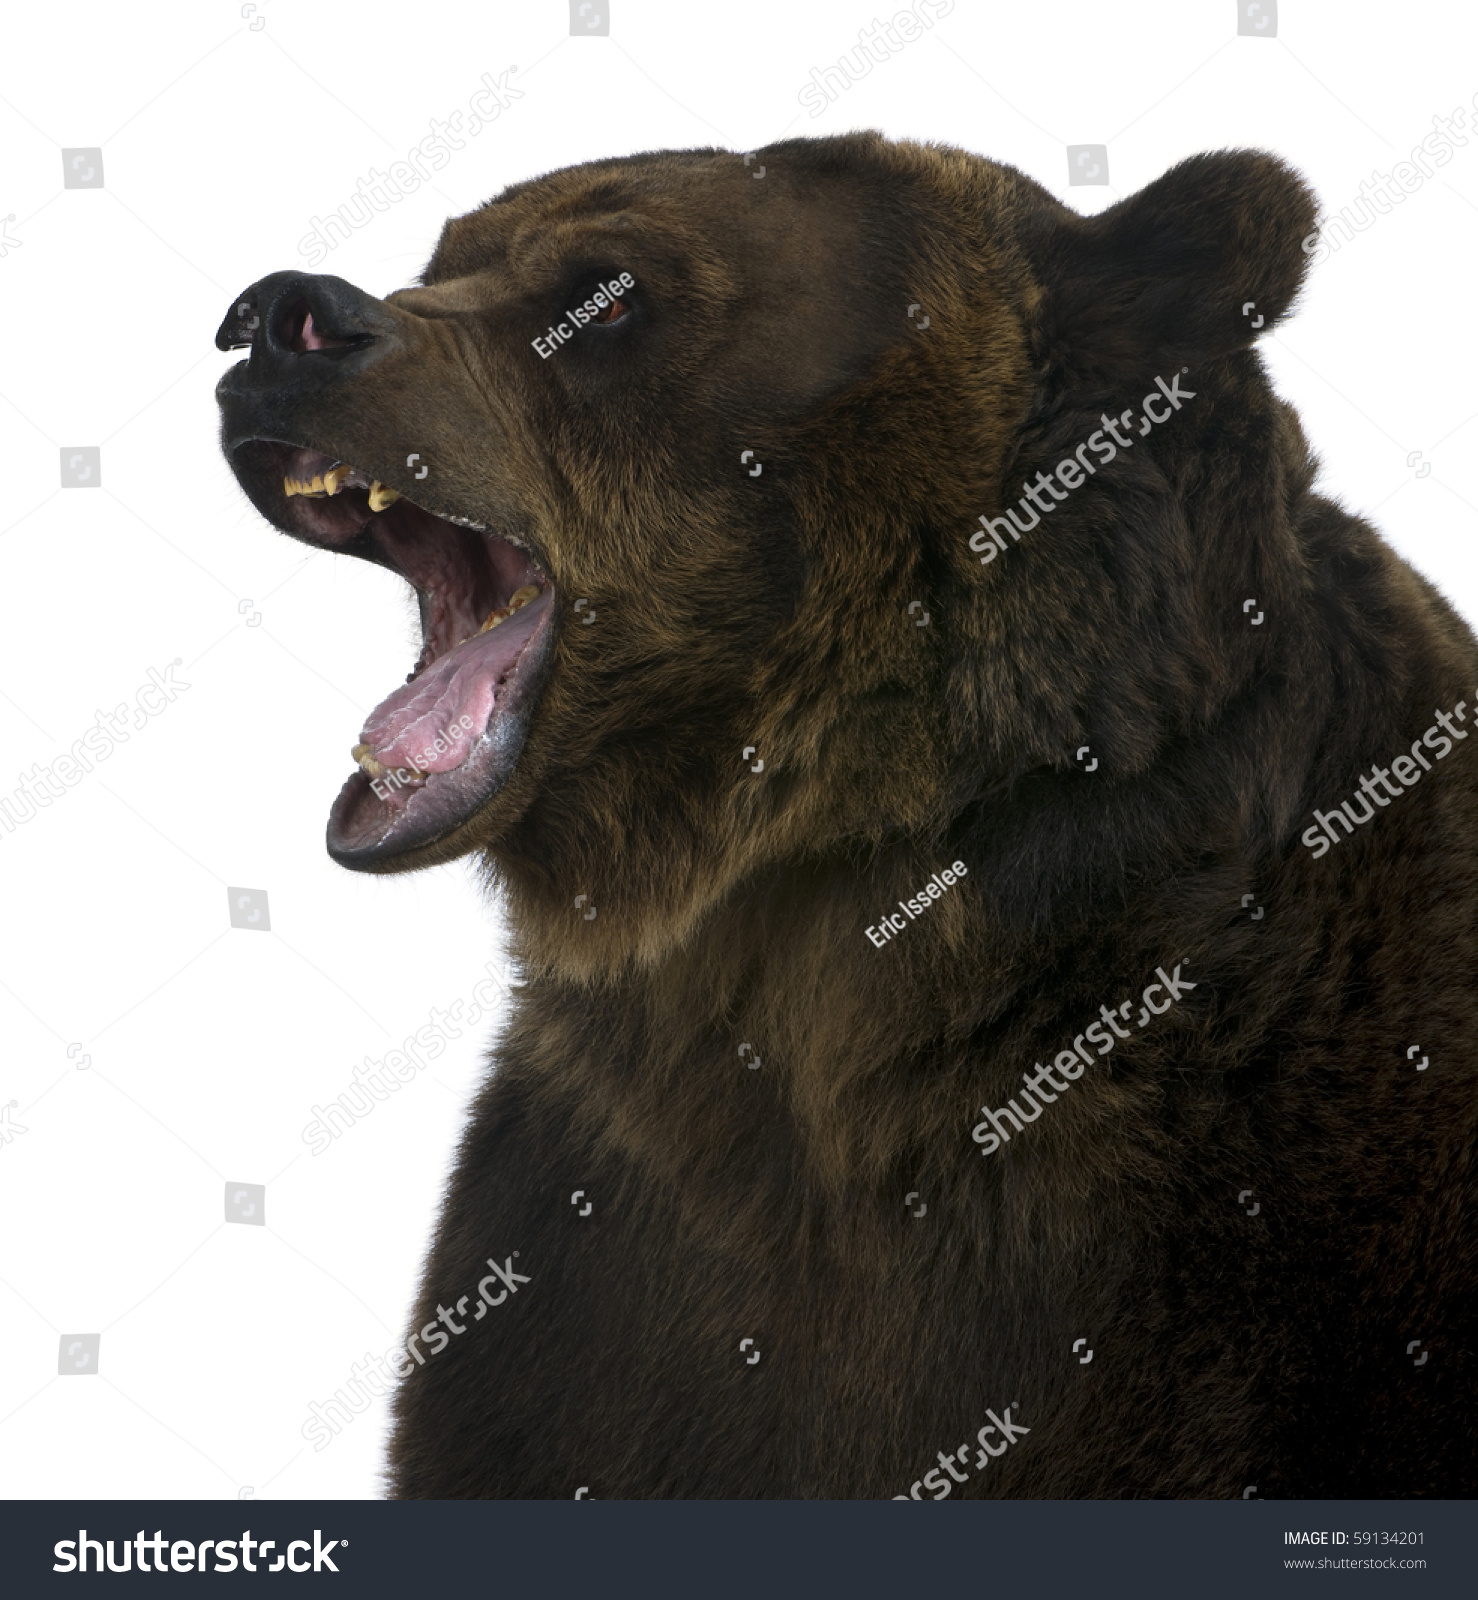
(437, 749)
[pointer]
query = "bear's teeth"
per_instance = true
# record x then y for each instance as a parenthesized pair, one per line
(380, 496)
(323, 483)
(520, 599)
(376, 769)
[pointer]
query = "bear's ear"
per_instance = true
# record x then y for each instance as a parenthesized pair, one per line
(1192, 267)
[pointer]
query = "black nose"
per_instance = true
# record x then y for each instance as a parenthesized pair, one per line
(310, 337)
(291, 314)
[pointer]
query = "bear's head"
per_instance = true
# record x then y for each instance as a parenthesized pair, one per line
(766, 509)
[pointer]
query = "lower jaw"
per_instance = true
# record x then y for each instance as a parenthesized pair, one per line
(369, 833)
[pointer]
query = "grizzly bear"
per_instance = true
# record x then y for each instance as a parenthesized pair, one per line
(989, 849)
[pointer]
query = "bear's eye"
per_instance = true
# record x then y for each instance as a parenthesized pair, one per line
(613, 312)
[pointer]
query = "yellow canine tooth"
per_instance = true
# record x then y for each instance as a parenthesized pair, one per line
(333, 479)
(519, 600)
(380, 496)
(361, 753)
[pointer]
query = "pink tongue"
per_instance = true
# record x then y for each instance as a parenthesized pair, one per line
(450, 703)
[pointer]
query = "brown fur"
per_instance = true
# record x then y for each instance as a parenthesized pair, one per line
(734, 611)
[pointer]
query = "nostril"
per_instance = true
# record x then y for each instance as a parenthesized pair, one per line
(293, 314)
(300, 333)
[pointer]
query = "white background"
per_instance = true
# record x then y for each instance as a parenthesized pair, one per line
(206, 1045)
